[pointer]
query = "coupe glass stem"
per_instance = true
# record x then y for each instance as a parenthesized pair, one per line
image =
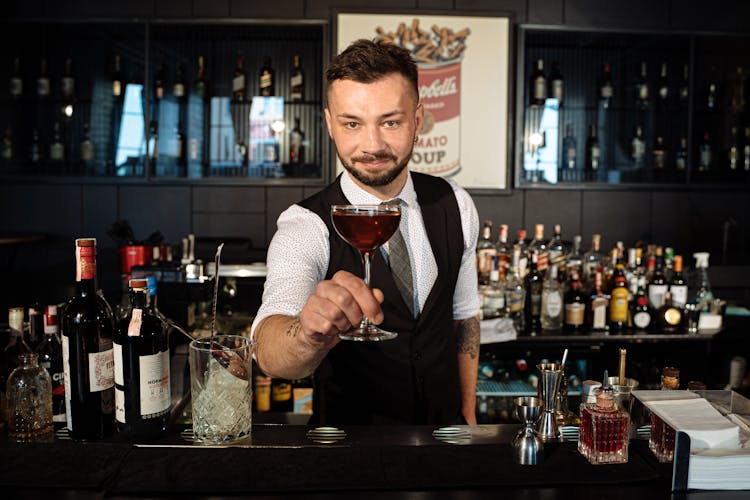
(366, 257)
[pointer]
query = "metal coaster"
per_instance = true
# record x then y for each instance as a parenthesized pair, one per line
(326, 435)
(569, 432)
(452, 435)
(63, 435)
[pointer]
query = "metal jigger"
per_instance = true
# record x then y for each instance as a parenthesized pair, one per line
(527, 447)
(550, 375)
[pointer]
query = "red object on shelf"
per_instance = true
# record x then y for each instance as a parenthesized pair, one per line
(134, 255)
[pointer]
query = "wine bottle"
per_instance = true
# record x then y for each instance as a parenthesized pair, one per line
(141, 355)
(297, 144)
(179, 89)
(201, 83)
(42, 81)
(556, 83)
(538, 85)
(50, 357)
(297, 80)
(118, 81)
(266, 78)
(160, 82)
(87, 329)
(606, 90)
(593, 153)
(239, 81)
(16, 80)
(641, 88)
(68, 82)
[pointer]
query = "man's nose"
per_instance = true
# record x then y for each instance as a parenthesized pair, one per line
(374, 142)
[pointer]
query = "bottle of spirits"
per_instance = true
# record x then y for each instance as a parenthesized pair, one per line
(677, 284)
(88, 358)
(606, 89)
(712, 97)
(684, 91)
(486, 250)
(662, 437)
(42, 81)
(574, 260)
(49, 352)
(181, 151)
(556, 249)
(15, 85)
(523, 247)
(570, 148)
(556, 83)
(593, 259)
(56, 147)
(746, 151)
(702, 294)
(142, 388)
(668, 317)
(593, 152)
(281, 395)
(118, 81)
(533, 282)
(239, 81)
(610, 426)
(160, 81)
(296, 80)
(659, 154)
(540, 246)
(575, 307)
(153, 143)
(657, 285)
(29, 394)
(641, 312)
(297, 144)
(552, 302)
(7, 149)
(200, 87)
(35, 332)
(35, 150)
(734, 151)
(663, 85)
(738, 91)
(266, 78)
(179, 89)
(504, 251)
(641, 88)
(16, 345)
(68, 82)
(87, 148)
(638, 148)
(492, 296)
(515, 295)
(619, 308)
(538, 85)
(598, 309)
(680, 156)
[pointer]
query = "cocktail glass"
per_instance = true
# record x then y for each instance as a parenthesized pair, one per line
(366, 228)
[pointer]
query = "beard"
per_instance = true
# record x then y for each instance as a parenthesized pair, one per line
(382, 178)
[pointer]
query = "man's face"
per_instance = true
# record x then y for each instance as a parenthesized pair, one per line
(374, 126)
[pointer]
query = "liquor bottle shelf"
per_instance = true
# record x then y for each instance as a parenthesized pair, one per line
(511, 388)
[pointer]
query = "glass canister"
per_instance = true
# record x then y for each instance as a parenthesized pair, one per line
(29, 401)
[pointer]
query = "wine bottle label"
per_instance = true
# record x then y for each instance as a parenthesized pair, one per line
(85, 263)
(618, 309)
(484, 259)
(606, 91)
(101, 370)
(66, 375)
(119, 375)
(679, 295)
(303, 397)
(540, 88)
(178, 90)
(599, 310)
(119, 405)
(656, 295)
(87, 151)
(56, 151)
(494, 302)
(574, 313)
(557, 89)
(16, 87)
(116, 88)
(266, 81)
(642, 319)
(553, 304)
(42, 86)
(67, 84)
(295, 81)
(514, 299)
(238, 83)
(134, 327)
(154, 377)
(281, 392)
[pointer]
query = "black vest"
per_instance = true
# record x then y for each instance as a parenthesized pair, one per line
(412, 379)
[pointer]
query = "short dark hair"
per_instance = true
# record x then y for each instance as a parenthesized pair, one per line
(365, 61)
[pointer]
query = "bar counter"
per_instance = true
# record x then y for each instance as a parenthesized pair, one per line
(370, 462)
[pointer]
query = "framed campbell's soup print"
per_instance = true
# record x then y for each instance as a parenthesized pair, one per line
(464, 79)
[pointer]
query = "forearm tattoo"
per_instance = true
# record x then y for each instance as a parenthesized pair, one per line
(467, 334)
(293, 329)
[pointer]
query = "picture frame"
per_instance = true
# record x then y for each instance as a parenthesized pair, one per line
(465, 83)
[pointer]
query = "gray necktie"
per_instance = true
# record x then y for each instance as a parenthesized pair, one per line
(400, 265)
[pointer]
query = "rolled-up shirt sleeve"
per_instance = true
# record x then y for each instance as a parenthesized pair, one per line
(465, 297)
(297, 260)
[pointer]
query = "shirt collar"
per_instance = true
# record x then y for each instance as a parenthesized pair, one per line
(358, 196)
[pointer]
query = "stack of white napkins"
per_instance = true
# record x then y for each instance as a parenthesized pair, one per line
(717, 459)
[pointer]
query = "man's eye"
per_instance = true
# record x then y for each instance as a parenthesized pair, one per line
(351, 124)
(391, 123)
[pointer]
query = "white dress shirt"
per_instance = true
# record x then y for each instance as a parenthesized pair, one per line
(299, 253)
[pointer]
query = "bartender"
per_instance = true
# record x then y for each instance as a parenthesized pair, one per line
(313, 291)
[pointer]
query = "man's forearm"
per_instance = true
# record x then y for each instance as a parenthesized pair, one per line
(467, 335)
(281, 351)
